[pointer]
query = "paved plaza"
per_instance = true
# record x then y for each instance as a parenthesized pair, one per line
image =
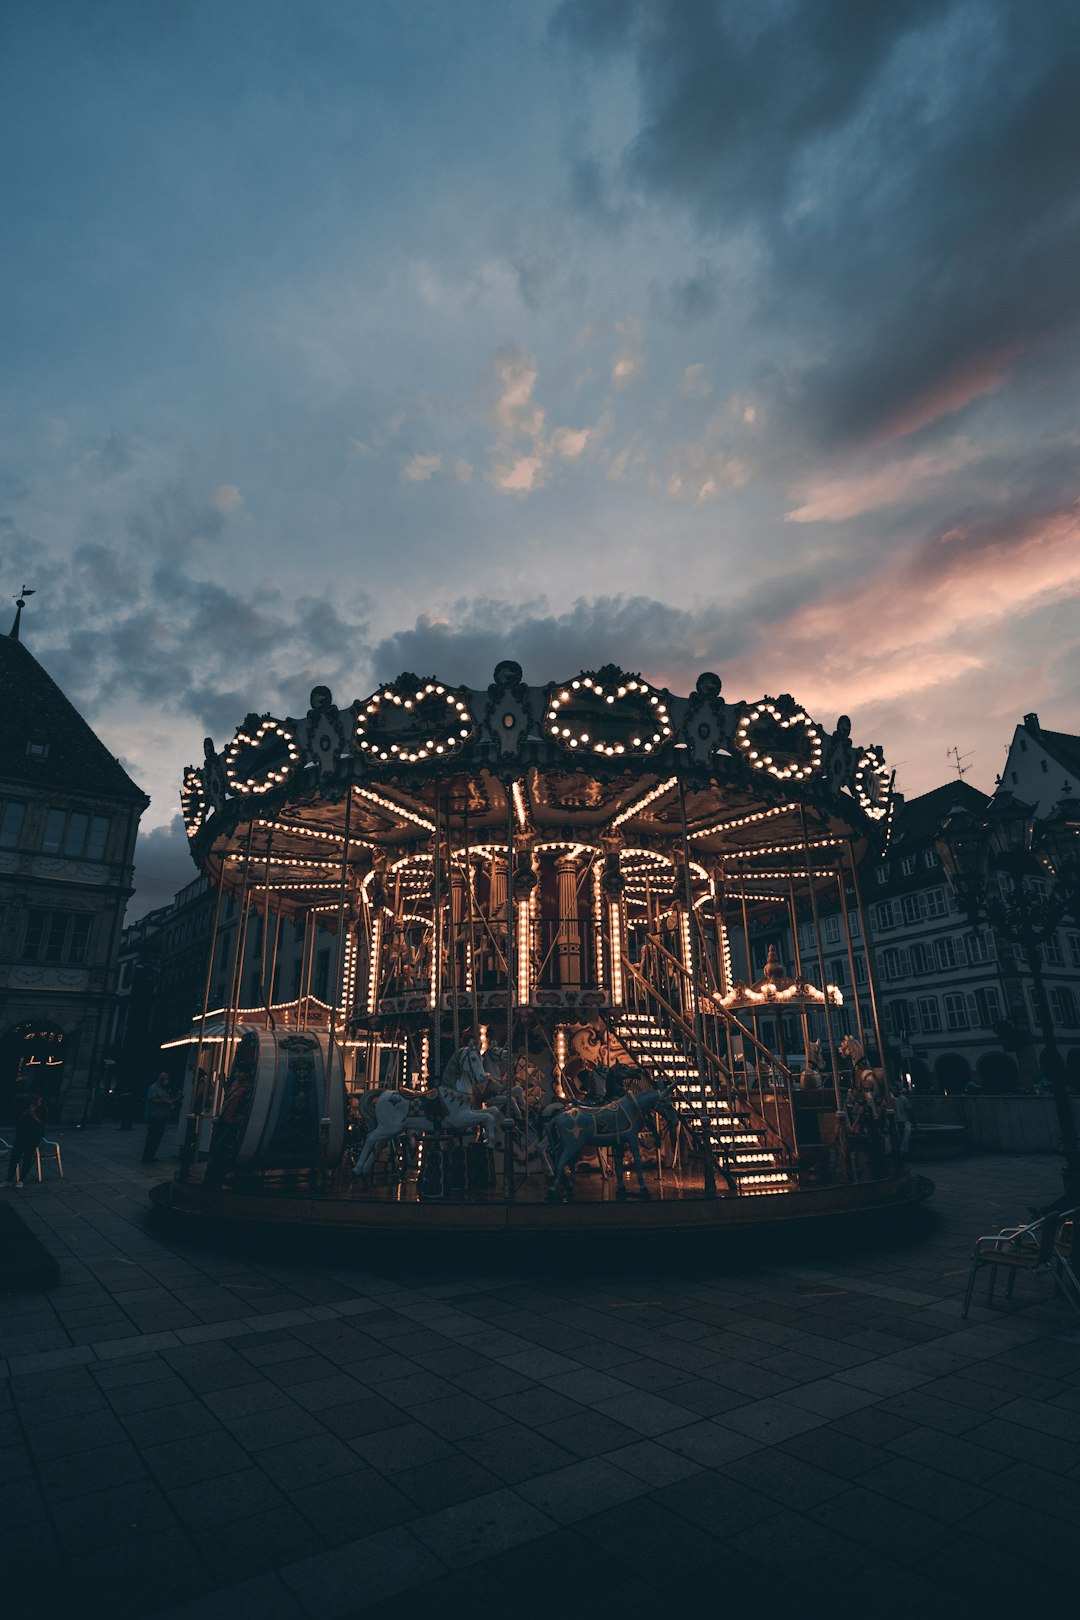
(196, 1431)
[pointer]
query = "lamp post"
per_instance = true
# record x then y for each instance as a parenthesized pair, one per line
(973, 850)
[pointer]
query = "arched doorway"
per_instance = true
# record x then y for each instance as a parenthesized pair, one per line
(997, 1072)
(952, 1072)
(921, 1078)
(31, 1061)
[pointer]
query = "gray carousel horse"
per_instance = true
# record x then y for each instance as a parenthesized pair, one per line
(616, 1124)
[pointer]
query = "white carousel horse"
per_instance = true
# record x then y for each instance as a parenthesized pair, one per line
(388, 1115)
(616, 1125)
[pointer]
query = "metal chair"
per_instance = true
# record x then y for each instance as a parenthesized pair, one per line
(1043, 1247)
(50, 1148)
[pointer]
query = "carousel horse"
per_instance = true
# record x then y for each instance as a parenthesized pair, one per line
(813, 1076)
(868, 1117)
(466, 1085)
(388, 1115)
(616, 1124)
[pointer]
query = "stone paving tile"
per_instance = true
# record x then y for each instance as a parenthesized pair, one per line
(433, 1401)
(475, 1530)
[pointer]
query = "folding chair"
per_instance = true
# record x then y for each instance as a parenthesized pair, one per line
(51, 1148)
(1044, 1246)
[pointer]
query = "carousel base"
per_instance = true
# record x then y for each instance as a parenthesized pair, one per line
(674, 1209)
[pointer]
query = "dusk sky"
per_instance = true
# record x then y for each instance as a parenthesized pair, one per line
(345, 338)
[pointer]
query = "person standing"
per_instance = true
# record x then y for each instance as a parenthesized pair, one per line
(160, 1104)
(29, 1129)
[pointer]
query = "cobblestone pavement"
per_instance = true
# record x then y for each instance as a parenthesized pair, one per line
(197, 1431)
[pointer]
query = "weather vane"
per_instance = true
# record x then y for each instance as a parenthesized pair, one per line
(20, 603)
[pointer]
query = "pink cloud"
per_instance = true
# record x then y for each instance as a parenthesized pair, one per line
(982, 375)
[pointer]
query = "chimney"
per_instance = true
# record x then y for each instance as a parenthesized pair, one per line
(1031, 723)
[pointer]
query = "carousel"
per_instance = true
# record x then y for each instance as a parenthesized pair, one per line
(548, 1008)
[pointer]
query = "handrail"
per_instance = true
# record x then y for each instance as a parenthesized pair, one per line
(714, 1059)
(719, 1010)
(786, 1137)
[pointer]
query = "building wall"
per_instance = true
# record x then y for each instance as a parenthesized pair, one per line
(62, 897)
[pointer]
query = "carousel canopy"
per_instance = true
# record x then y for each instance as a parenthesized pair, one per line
(757, 791)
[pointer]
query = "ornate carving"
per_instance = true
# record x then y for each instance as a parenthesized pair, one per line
(840, 758)
(508, 715)
(704, 726)
(325, 734)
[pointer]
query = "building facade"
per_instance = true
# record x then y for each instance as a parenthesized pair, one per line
(69, 815)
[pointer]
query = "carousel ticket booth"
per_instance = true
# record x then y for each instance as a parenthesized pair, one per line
(543, 901)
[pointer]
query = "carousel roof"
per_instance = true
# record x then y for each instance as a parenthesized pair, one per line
(603, 757)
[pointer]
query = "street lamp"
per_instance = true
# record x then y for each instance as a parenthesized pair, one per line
(1003, 841)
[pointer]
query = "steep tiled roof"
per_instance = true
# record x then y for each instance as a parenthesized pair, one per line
(33, 708)
(1064, 747)
(918, 820)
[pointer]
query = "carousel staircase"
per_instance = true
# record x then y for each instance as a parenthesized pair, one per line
(740, 1140)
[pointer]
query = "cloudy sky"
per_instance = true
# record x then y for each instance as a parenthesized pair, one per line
(340, 338)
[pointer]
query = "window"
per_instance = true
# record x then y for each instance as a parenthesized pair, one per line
(295, 980)
(985, 1007)
(922, 958)
(929, 1015)
(56, 936)
(979, 945)
(1014, 775)
(1063, 1005)
(884, 916)
(855, 930)
(74, 833)
(836, 970)
(831, 929)
(935, 903)
(895, 963)
(11, 821)
(930, 859)
(955, 1012)
(37, 748)
(882, 874)
(902, 1019)
(913, 908)
(1053, 955)
(1044, 765)
(860, 967)
(1074, 950)
(907, 865)
(946, 956)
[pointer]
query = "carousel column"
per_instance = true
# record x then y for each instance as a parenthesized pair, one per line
(566, 868)
(612, 887)
(820, 956)
(457, 919)
(434, 1068)
(200, 1089)
(692, 966)
(871, 972)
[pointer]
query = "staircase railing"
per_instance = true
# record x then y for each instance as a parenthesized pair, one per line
(688, 1007)
(642, 993)
(716, 1073)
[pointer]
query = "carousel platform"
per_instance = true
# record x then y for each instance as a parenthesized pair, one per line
(673, 1211)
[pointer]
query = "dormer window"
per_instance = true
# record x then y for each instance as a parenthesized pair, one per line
(37, 748)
